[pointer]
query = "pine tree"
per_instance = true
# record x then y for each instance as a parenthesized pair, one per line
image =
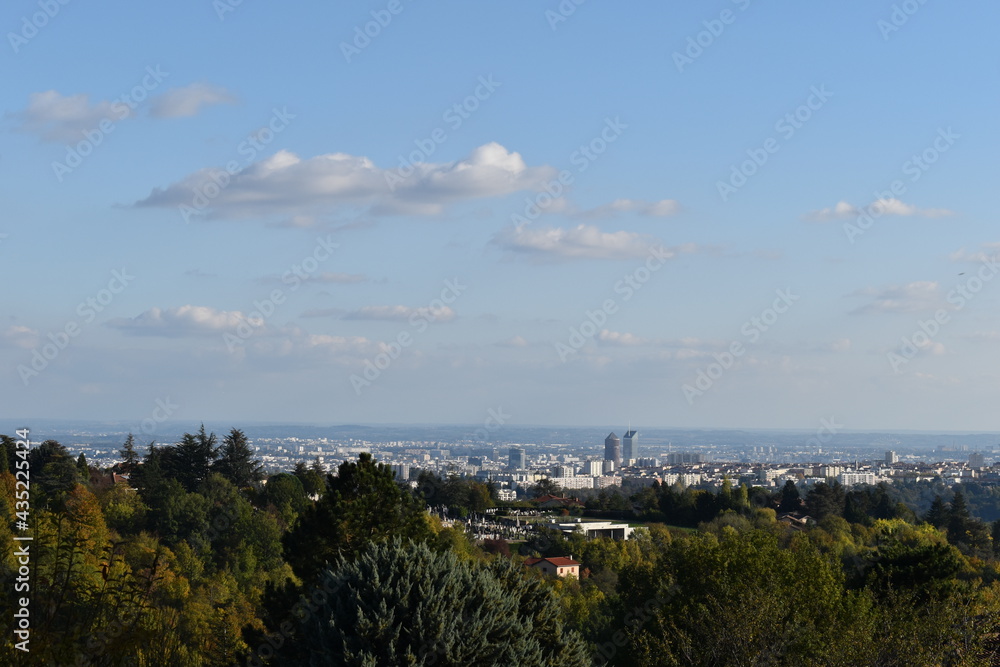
(937, 515)
(790, 500)
(959, 519)
(236, 460)
(130, 457)
(190, 460)
(82, 467)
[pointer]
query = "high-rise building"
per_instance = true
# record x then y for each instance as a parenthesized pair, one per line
(630, 446)
(517, 460)
(977, 460)
(891, 457)
(593, 468)
(402, 471)
(613, 449)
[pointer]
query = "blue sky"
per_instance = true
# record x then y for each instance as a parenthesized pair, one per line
(288, 205)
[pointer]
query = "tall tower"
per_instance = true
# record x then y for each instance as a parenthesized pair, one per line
(630, 446)
(613, 449)
(516, 459)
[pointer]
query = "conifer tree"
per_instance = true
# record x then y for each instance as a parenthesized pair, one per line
(82, 467)
(937, 515)
(130, 457)
(190, 460)
(237, 461)
(402, 603)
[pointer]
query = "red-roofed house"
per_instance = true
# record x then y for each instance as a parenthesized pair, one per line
(557, 565)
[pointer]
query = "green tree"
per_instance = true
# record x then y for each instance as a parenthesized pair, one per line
(544, 487)
(696, 603)
(400, 603)
(362, 504)
(130, 457)
(313, 477)
(286, 493)
(958, 518)
(825, 500)
(937, 515)
(237, 461)
(54, 473)
(790, 499)
(82, 467)
(190, 460)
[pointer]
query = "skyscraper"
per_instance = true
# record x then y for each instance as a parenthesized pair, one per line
(630, 446)
(613, 449)
(517, 461)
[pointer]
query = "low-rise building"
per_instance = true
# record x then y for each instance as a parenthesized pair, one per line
(559, 566)
(594, 529)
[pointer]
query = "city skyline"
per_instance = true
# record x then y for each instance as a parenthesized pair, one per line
(725, 216)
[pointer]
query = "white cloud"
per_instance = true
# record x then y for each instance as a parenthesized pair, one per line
(582, 241)
(619, 338)
(841, 345)
(915, 297)
(189, 100)
(514, 341)
(183, 321)
(66, 118)
(656, 209)
(402, 313)
(879, 207)
(987, 253)
(54, 117)
(21, 336)
(324, 312)
(286, 185)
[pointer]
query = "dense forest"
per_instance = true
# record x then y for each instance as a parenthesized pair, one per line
(186, 554)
